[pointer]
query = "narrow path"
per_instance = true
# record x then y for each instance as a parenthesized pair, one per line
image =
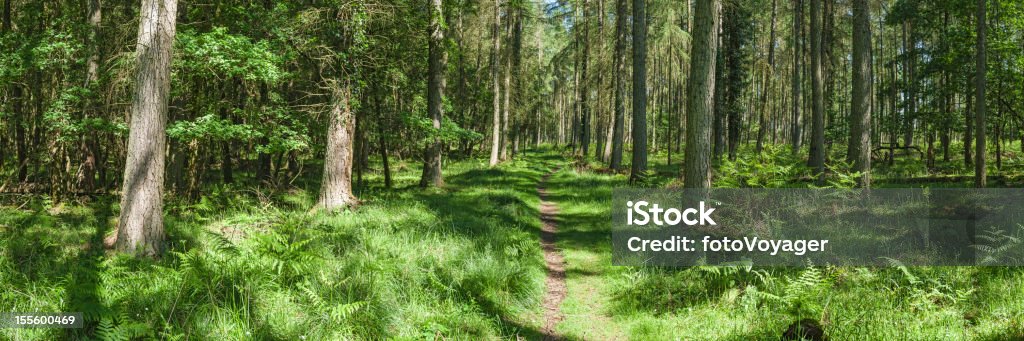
(555, 281)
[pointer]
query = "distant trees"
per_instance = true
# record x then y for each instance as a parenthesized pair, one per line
(700, 96)
(140, 229)
(262, 90)
(737, 36)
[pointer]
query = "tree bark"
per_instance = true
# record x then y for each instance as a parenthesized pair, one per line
(639, 90)
(816, 158)
(769, 80)
(86, 179)
(336, 187)
(619, 83)
(969, 132)
(795, 123)
(495, 86)
(506, 107)
(585, 84)
(859, 149)
(435, 91)
(140, 229)
(700, 96)
(979, 104)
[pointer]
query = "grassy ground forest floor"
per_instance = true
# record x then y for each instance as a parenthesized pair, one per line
(462, 262)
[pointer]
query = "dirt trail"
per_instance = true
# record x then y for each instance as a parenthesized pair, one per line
(555, 281)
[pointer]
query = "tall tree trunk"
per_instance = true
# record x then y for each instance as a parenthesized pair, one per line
(336, 187)
(506, 107)
(769, 80)
(496, 88)
(796, 126)
(859, 149)
(140, 229)
(721, 90)
(435, 90)
(700, 96)
(584, 83)
(620, 82)
(5, 23)
(816, 158)
(980, 105)
(639, 90)
(86, 179)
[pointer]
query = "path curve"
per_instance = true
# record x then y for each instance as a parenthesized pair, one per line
(555, 282)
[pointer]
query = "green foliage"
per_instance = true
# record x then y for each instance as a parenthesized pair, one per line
(449, 133)
(999, 246)
(287, 246)
(841, 175)
(218, 54)
(403, 265)
(775, 167)
(212, 126)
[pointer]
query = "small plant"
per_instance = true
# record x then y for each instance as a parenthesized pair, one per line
(1001, 247)
(287, 247)
(842, 175)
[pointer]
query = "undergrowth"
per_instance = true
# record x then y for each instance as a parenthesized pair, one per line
(246, 263)
(758, 303)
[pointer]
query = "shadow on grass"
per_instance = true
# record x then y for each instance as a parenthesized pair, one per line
(496, 205)
(83, 289)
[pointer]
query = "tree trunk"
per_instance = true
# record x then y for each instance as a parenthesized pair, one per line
(435, 90)
(769, 80)
(506, 107)
(496, 134)
(721, 89)
(639, 90)
(859, 149)
(816, 159)
(336, 187)
(969, 132)
(585, 84)
(979, 104)
(86, 179)
(798, 24)
(700, 96)
(620, 82)
(496, 89)
(140, 229)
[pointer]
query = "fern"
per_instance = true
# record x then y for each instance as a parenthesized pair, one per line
(907, 275)
(121, 328)
(1001, 247)
(222, 244)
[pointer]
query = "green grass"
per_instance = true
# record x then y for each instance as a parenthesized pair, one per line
(461, 262)
(709, 303)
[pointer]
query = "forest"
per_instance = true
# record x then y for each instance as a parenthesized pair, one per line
(443, 169)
